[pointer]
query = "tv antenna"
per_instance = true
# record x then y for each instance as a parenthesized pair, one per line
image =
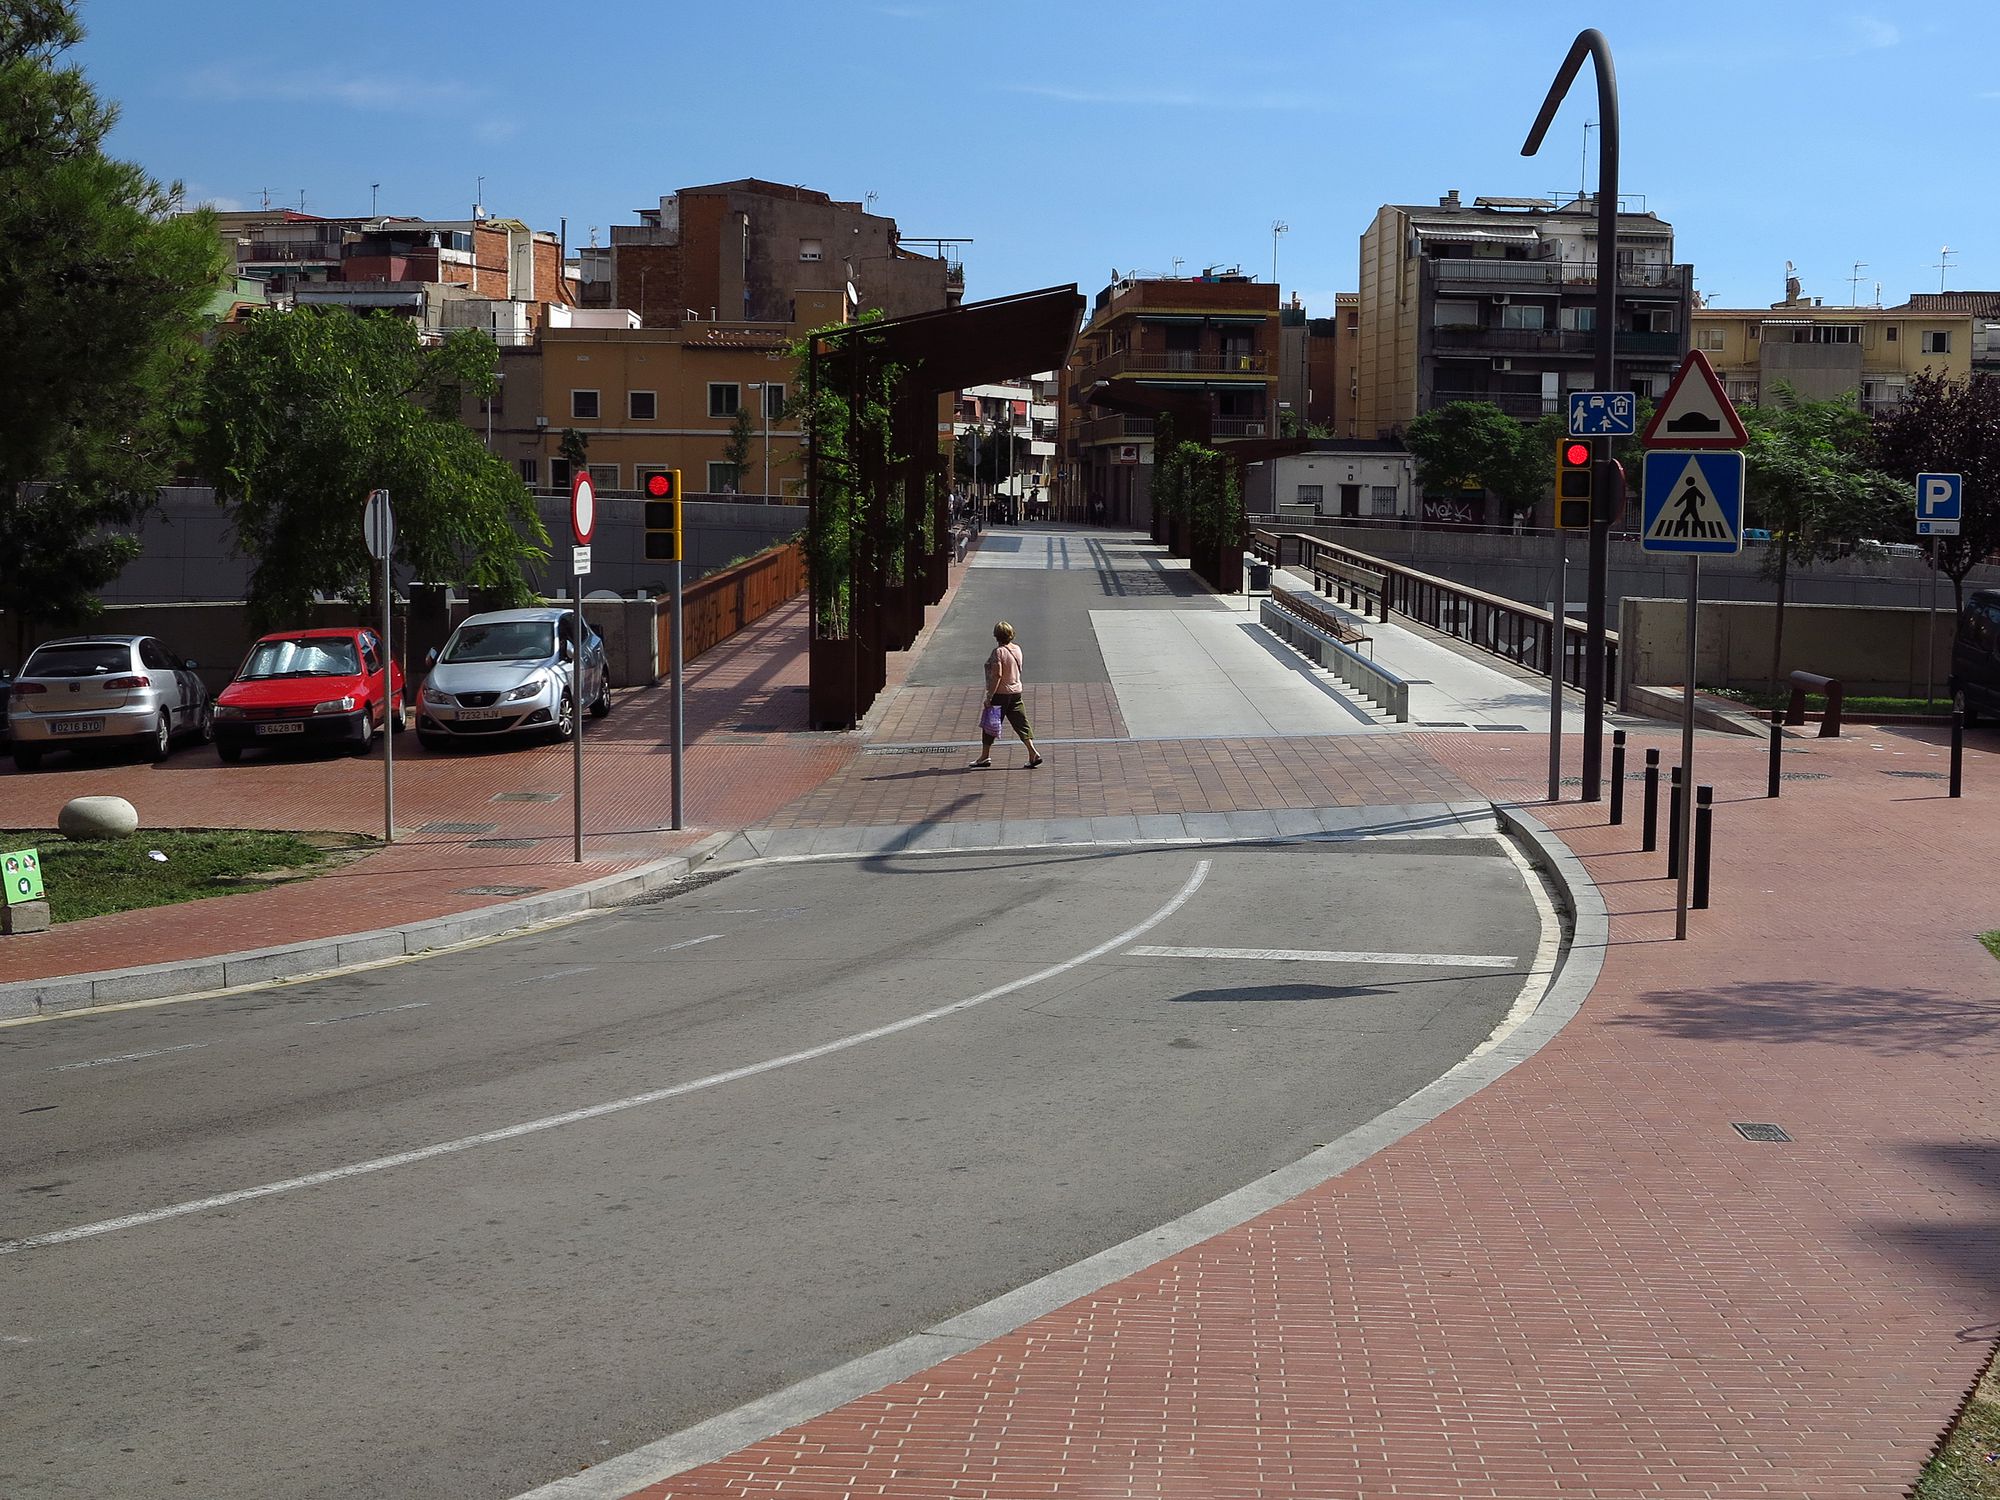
(1945, 253)
(1854, 282)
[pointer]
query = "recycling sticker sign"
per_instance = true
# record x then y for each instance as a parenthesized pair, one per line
(23, 871)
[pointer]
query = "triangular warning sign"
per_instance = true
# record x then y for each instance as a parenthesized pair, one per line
(1695, 413)
(1691, 512)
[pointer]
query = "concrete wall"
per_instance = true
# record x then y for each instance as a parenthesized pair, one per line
(188, 553)
(1871, 650)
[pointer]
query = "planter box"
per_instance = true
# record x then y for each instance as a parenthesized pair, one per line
(832, 701)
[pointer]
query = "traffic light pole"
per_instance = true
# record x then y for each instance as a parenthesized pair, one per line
(1558, 640)
(1591, 44)
(680, 738)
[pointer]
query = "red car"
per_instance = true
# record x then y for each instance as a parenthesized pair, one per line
(310, 687)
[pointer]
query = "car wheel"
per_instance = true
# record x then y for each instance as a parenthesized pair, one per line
(432, 741)
(565, 718)
(601, 704)
(208, 723)
(398, 721)
(364, 741)
(26, 759)
(228, 754)
(163, 740)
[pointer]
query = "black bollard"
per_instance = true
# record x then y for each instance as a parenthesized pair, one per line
(1957, 749)
(1617, 777)
(1777, 750)
(1704, 820)
(1649, 836)
(1674, 827)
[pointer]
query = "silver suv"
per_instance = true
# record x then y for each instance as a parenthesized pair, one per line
(511, 672)
(127, 690)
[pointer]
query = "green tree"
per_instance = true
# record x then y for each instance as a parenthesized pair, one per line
(1947, 426)
(573, 448)
(304, 412)
(1466, 445)
(736, 449)
(103, 292)
(1811, 484)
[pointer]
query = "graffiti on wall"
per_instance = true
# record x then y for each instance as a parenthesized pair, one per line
(1450, 513)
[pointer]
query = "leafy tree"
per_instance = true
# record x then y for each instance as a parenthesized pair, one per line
(1466, 445)
(993, 459)
(304, 412)
(573, 448)
(1810, 483)
(102, 299)
(736, 449)
(1947, 426)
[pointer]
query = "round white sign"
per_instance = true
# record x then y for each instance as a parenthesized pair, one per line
(582, 508)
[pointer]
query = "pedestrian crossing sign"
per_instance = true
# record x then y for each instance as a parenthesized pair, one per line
(1693, 502)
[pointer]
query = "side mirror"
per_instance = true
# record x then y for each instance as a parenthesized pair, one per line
(568, 649)
(191, 665)
(431, 657)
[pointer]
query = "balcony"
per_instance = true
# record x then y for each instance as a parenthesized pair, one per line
(1527, 405)
(1465, 274)
(1115, 429)
(1175, 362)
(1471, 338)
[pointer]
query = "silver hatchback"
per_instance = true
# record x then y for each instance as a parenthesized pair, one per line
(126, 690)
(510, 671)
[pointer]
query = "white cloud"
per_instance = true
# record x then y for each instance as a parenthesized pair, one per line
(379, 93)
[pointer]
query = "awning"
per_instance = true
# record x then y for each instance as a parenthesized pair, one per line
(1165, 317)
(1508, 234)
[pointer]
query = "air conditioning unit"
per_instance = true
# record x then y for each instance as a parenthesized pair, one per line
(1501, 299)
(1253, 429)
(1503, 364)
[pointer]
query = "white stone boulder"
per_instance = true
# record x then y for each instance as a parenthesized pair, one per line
(97, 818)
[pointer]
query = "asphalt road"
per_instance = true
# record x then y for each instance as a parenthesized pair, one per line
(501, 1310)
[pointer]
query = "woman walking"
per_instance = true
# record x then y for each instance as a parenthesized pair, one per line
(1003, 693)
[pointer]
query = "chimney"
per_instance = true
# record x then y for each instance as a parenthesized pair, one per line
(1449, 200)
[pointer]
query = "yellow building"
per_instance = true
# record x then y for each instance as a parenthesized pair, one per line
(1863, 353)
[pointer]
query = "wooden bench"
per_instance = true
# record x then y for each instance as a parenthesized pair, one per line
(1303, 606)
(1353, 586)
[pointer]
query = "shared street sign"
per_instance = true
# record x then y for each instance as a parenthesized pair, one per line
(378, 524)
(1693, 503)
(1695, 413)
(1940, 504)
(1603, 413)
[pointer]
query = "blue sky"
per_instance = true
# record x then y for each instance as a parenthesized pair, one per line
(1069, 139)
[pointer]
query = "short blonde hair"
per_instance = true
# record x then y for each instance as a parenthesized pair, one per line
(1003, 632)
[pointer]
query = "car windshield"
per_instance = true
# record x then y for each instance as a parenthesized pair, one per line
(81, 659)
(300, 658)
(502, 640)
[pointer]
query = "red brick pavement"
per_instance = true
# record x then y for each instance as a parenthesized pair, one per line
(950, 715)
(1581, 1281)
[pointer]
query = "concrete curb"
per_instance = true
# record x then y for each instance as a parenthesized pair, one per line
(324, 956)
(1581, 961)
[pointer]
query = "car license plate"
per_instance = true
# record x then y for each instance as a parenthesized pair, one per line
(479, 713)
(281, 729)
(76, 726)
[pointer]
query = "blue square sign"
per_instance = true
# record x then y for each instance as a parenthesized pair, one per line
(1603, 414)
(1693, 501)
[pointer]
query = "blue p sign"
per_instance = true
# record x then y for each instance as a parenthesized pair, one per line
(1939, 496)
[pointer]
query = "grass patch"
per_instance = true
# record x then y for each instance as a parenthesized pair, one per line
(1968, 1465)
(90, 878)
(1855, 703)
(1992, 942)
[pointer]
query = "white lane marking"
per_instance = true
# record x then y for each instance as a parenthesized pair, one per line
(688, 943)
(355, 1015)
(560, 974)
(615, 1106)
(124, 1057)
(1336, 956)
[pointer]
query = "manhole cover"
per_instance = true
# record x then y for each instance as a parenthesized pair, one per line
(456, 827)
(527, 797)
(1917, 775)
(501, 844)
(497, 890)
(1755, 1132)
(1804, 775)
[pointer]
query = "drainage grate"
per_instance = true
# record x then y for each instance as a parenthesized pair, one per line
(1522, 727)
(1761, 1132)
(1917, 775)
(526, 797)
(1440, 724)
(497, 890)
(1805, 775)
(456, 827)
(501, 844)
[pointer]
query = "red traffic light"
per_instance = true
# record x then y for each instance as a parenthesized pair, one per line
(660, 486)
(1576, 454)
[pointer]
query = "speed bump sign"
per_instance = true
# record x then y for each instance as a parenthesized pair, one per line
(23, 871)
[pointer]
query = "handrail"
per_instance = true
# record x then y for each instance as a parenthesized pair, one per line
(1518, 632)
(1350, 666)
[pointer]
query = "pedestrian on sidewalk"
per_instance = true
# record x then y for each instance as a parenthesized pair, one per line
(1003, 691)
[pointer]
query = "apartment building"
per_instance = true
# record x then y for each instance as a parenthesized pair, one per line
(745, 250)
(1864, 354)
(1026, 408)
(1333, 370)
(1215, 336)
(1496, 300)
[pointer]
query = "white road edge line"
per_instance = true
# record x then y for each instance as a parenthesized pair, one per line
(688, 943)
(615, 1106)
(355, 1015)
(125, 1057)
(1336, 956)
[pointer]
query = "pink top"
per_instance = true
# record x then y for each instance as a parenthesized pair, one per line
(1003, 669)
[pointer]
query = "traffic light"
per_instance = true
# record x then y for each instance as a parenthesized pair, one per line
(1575, 483)
(662, 489)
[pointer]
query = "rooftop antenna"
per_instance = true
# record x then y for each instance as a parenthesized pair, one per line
(870, 199)
(1945, 254)
(1278, 227)
(1177, 266)
(265, 194)
(373, 189)
(302, 200)
(1878, 294)
(593, 237)
(1854, 281)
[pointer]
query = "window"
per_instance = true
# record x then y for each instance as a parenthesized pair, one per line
(370, 657)
(1383, 500)
(1455, 315)
(809, 250)
(1312, 494)
(724, 398)
(642, 406)
(1889, 336)
(153, 656)
(1642, 385)
(1756, 330)
(604, 476)
(774, 400)
(1579, 319)
(558, 473)
(1937, 341)
(583, 404)
(721, 478)
(528, 474)
(1709, 340)
(1828, 333)
(1523, 315)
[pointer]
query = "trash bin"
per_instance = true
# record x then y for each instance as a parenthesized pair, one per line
(1259, 573)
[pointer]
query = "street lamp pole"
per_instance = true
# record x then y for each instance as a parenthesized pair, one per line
(764, 400)
(1591, 44)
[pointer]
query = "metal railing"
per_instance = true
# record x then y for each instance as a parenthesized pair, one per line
(1114, 429)
(1518, 632)
(1488, 340)
(1175, 361)
(1490, 271)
